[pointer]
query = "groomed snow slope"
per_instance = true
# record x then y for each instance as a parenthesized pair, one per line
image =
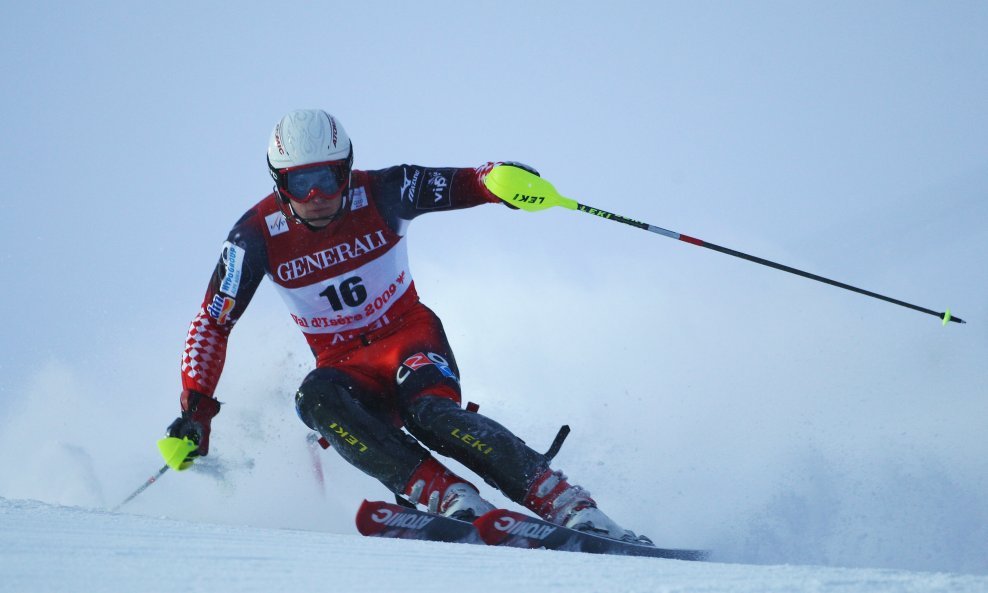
(55, 549)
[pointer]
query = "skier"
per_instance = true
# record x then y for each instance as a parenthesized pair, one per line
(331, 238)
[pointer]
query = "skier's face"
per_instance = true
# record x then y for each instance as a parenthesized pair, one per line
(316, 191)
(318, 211)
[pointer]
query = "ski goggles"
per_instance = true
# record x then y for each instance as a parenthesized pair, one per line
(305, 182)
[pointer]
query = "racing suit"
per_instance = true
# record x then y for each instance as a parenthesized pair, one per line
(382, 358)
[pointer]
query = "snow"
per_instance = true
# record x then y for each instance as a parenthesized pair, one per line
(57, 548)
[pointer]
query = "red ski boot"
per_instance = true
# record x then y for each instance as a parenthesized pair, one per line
(445, 493)
(557, 501)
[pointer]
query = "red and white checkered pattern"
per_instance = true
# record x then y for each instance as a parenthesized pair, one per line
(205, 354)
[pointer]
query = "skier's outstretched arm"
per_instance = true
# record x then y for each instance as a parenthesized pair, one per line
(408, 191)
(234, 281)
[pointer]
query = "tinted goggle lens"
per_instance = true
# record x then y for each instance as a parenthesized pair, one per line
(328, 179)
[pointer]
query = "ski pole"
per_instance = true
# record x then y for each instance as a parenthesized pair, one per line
(315, 441)
(176, 452)
(531, 193)
(143, 487)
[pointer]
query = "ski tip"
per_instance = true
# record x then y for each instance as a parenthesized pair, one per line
(696, 555)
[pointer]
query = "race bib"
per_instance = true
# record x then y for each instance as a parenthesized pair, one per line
(353, 299)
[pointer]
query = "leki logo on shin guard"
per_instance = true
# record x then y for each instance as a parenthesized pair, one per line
(348, 437)
(473, 441)
(407, 520)
(523, 528)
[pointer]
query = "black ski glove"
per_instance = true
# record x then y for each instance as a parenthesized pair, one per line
(197, 412)
(528, 168)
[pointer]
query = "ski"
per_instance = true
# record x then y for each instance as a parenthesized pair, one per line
(384, 519)
(499, 527)
(507, 528)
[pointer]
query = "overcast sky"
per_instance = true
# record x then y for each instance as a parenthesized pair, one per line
(713, 402)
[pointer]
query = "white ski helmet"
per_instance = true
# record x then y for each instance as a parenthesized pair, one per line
(301, 143)
(305, 137)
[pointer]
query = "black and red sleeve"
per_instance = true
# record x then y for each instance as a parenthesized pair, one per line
(404, 192)
(235, 279)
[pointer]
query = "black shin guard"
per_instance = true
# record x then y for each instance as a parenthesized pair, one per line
(326, 404)
(487, 448)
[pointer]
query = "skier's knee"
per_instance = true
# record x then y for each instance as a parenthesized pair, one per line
(429, 409)
(322, 389)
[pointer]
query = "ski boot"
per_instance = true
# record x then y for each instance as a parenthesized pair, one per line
(557, 501)
(445, 493)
